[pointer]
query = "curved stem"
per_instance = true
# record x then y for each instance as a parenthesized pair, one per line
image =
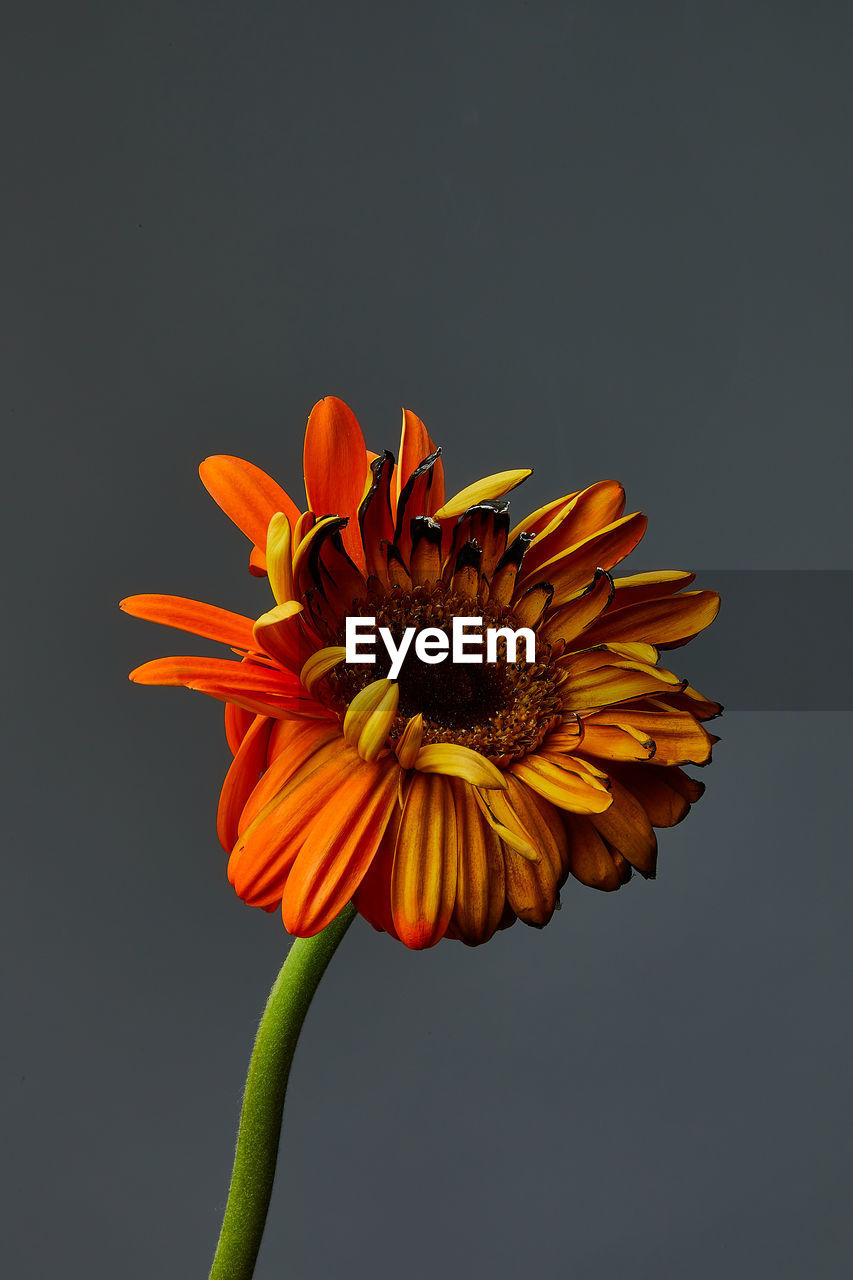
(263, 1101)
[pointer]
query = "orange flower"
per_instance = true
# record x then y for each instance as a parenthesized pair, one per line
(456, 799)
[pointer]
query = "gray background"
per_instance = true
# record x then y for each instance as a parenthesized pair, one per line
(593, 238)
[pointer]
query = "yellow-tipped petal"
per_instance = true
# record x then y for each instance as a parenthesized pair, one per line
(320, 664)
(460, 762)
(374, 735)
(362, 707)
(636, 649)
(410, 742)
(280, 558)
(513, 839)
(481, 491)
(279, 634)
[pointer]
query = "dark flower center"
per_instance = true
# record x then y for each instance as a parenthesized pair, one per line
(501, 709)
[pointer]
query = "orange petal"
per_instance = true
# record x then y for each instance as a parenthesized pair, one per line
(572, 618)
(335, 461)
(282, 633)
(262, 858)
(626, 827)
(247, 495)
(480, 891)
(601, 677)
(544, 518)
(341, 844)
(542, 823)
(193, 616)
(415, 446)
(532, 887)
(660, 791)
(589, 512)
(423, 878)
(294, 745)
(237, 725)
(590, 860)
(652, 585)
(258, 688)
(257, 563)
(240, 780)
(373, 899)
(375, 515)
(677, 735)
(415, 500)
(616, 742)
(667, 623)
(572, 569)
(563, 784)
(690, 699)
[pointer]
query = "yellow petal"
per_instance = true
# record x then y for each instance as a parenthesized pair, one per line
(563, 786)
(460, 762)
(320, 664)
(280, 635)
(507, 826)
(280, 558)
(410, 742)
(364, 704)
(481, 491)
(635, 649)
(370, 716)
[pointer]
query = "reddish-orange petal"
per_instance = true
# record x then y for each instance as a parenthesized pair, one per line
(341, 844)
(295, 744)
(572, 569)
(237, 725)
(373, 899)
(265, 852)
(262, 689)
(335, 461)
(246, 494)
(191, 615)
(240, 780)
(415, 445)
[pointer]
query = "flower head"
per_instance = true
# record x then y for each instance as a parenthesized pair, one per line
(458, 797)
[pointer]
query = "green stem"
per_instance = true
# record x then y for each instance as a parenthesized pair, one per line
(263, 1101)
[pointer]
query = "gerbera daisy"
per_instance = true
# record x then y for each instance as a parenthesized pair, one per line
(455, 799)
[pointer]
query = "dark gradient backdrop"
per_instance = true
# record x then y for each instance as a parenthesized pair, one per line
(596, 239)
